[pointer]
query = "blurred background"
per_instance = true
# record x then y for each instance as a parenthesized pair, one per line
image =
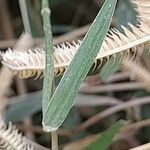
(20, 100)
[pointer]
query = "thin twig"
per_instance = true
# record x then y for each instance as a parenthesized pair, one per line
(24, 42)
(137, 125)
(117, 87)
(118, 77)
(6, 78)
(25, 17)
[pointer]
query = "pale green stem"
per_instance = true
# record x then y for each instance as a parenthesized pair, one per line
(49, 65)
(54, 140)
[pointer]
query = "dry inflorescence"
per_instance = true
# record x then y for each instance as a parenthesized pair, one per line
(10, 138)
(32, 62)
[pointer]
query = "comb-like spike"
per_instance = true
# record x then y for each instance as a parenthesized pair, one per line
(10, 138)
(32, 62)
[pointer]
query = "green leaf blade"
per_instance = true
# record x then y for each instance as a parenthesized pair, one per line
(103, 141)
(63, 98)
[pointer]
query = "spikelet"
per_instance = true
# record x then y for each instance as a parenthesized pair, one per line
(11, 139)
(31, 62)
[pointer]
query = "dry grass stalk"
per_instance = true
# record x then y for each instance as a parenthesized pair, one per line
(4, 86)
(25, 41)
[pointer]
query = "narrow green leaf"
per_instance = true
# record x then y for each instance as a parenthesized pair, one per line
(105, 139)
(63, 98)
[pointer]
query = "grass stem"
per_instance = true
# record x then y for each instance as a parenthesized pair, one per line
(54, 137)
(49, 66)
(49, 59)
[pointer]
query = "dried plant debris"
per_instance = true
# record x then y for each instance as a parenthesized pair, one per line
(11, 139)
(32, 62)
